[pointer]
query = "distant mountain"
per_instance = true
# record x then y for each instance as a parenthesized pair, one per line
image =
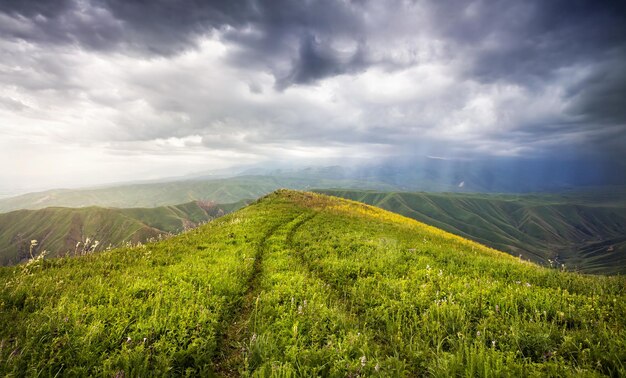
(175, 192)
(63, 231)
(440, 174)
(417, 174)
(586, 231)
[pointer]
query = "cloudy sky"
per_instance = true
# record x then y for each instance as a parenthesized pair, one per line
(95, 91)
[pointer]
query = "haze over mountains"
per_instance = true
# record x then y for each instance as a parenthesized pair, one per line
(581, 228)
(427, 174)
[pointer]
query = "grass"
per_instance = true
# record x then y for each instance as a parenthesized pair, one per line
(58, 230)
(300, 284)
(584, 232)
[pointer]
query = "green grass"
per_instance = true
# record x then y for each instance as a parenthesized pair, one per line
(300, 284)
(586, 232)
(58, 230)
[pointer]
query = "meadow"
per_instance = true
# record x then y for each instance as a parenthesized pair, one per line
(578, 231)
(302, 284)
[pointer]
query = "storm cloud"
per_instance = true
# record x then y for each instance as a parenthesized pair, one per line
(208, 83)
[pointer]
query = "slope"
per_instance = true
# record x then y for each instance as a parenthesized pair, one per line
(300, 284)
(226, 190)
(582, 231)
(58, 230)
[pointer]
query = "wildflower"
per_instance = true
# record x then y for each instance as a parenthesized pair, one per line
(478, 333)
(145, 339)
(377, 368)
(497, 308)
(253, 338)
(300, 309)
(128, 340)
(363, 360)
(528, 285)
(493, 343)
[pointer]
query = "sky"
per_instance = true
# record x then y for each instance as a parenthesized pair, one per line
(98, 91)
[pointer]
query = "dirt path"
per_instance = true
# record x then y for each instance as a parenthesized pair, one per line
(229, 358)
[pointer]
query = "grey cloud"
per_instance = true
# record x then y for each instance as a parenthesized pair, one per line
(531, 39)
(601, 97)
(290, 39)
(316, 61)
(523, 43)
(500, 40)
(12, 104)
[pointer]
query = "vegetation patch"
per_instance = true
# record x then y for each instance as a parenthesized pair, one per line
(301, 284)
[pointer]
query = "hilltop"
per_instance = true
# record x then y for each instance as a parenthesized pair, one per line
(302, 284)
(69, 231)
(585, 231)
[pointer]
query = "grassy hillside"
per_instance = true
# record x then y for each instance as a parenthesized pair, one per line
(175, 192)
(58, 230)
(582, 231)
(300, 284)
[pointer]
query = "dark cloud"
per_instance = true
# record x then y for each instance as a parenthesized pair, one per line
(601, 95)
(515, 40)
(532, 43)
(316, 61)
(466, 77)
(499, 40)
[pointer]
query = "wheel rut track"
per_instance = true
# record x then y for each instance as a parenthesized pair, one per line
(341, 302)
(228, 351)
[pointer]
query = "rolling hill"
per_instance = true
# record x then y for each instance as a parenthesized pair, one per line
(58, 230)
(225, 190)
(586, 231)
(301, 284)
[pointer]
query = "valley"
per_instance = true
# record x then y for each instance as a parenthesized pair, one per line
(73, 231)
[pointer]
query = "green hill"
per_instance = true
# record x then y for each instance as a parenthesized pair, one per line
(58, 230)
(226, 190)
(584, 231)
(300, 284)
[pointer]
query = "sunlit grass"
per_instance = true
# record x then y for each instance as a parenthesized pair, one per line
(317, 287)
